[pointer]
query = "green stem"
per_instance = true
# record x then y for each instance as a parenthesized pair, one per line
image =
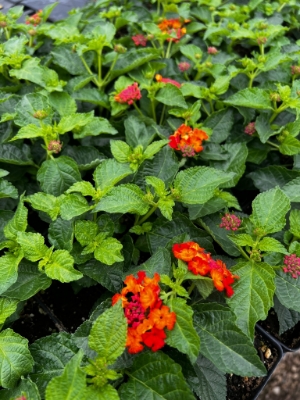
(158, 7)
(272, 144)
(137, 109)
(153, 111)
(191, 288)
(89, 71)
(262, 49)
(244, 254)
(7, 33)
(169, 49)
(106, 78)
(31, 41)
(251, 79)
(205, 109)
(99, 53)
(211, 105)
(198, 75)
(149, 213)
(281, 7)
(162, 115)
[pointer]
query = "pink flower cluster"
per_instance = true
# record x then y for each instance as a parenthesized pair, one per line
(139, 40)
(230, 222)
(212, 50)
(159, 78)
(183, 66)
(292, 265)
(250, 128)
(129, 94)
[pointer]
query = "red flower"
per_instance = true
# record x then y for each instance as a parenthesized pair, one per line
(188, 140)
(250, 128)
(129, 95)
(139, 40)
(35, 19)
(173, 27)
(292, 265)
(159, 78)
(155, 339)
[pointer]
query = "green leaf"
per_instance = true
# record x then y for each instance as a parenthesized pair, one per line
(253, 294)
(159, 262)
(106, 392)
(15, 358)
(57, 175)
(274, 175)
(123, 199)
(192, 52)
(9, 271)
(71, 384)
(292, 190)
(18, 223)
(263, 128)
(254, 98)
(7, 308)
(60, 267)
(109, 251)
(211, 206)
(28, 106)
(85, 231)
(165, 206)
(69, 60)
(30, 281)
(17, 155)
(120, 150)
(221, 122)
(155, 376)
(242, 239)
(288, 290)
(269, 210)
(63, 103)
(109, 333)
(287, 318)
(95, 127)
(74, 121)
(73, 205)
(86, 157)
(32, 131)
(60, 234)
(290, 146)
(93, 96)
(154, 148)
(51, 354)
(223, 343)
(46, 203)
(33, 245)
(137, 133)
(197, 185)
(109, 173)
(171, 95)
(272, 245)
(295, 223)
(183, 336)
(7, 190)
(25, 386)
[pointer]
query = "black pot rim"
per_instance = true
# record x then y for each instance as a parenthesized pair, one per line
(285, 348)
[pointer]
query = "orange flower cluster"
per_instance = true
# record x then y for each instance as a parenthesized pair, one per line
(173, 26)
(35, 19)
(188, 140)
(159, 78)
(146, 315)
(201, 263)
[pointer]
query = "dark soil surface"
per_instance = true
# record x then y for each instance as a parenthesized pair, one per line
(56, 309)
(244, 388)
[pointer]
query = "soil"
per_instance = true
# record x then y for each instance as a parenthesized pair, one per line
(244, 388)
(290, 338)
(56, 309)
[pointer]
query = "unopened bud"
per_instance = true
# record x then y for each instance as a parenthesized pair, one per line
(3, 24)
(40, 114)
(208, 64)
(295, 70)
(32, 32)
(120, 49)
(212, 50)
(55, 146)
(261, 40)
(198, 56)
(275, 97)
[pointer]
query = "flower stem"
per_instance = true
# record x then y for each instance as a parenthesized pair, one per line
(137, 109)
(211, 105)
(89, 71)
(99, 53)
(162, 115)
(105, 80)
(244, 254)
(272, 144)
(153, 111)
(169, 49)
(191, 288)
(149, 213)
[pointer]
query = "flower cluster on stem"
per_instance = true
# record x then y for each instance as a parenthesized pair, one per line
(187, 140)
(146, 315)
(173, 27)
(35, 19)
(230, 222)
(250, 128)
(292, 265)
(129, 94)
(201, 263)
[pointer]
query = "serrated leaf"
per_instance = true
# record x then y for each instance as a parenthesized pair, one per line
(123, 199)
(109, 333)
(71, 384)
(57, 175)
(295, 223)
(183, 336)
(288, 290)
(154, 148)
(28, 106)
(95, 127)
(7, 307)
(60, 234)
(155, 376)
(16, 155)
(63, 103)
(290, 146)
(120, 150)
(165, 206)
(253, 294)
(192, 52)
(254, 98)
(242, 239)
(272, 245)
(137, 133)
(51, 354)
(109, 251)
(25, 386)
(45, 202)
(85, 231)
(9, 271)
(109, 173)
(106, 392)
(73, 205)
(15, 358)
(274, 175)
(7, 189)
(221, 122)
(18, 223)
(263, 128)
(292, 190)
(75, 121)
(171, 95)
(223, 343)
(287, 318)
(60, 267)
(269, 210)
(33, 245)
(197, 185)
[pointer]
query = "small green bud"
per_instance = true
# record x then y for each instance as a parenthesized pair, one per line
(40, 114)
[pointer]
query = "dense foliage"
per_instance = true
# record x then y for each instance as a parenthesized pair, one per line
(152, 149)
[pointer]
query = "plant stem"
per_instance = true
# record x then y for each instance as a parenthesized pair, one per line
(89, 71)
(191, 288)
(137, 109)
(251, 79)
(197, 76)
(153, 111)
(162, 115)
(99, 53)
(211, 105)
(169, 49)
(149, 213)
(205, 109)
(244, 254)
(105, 80)
(272, 144)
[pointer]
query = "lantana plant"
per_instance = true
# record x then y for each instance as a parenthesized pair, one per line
(152, 149)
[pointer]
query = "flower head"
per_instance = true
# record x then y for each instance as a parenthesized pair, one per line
(292, 265)
(55, 146)
(129, 94)
(250, 128)
(139, 40)
(230, 222)
(261, 40)
(188, 140)
(212, 50)
(146, 315)
(159, 78)
(201, 263)
(172, 27)
(35, 19)
(295, 69)
(184, 66)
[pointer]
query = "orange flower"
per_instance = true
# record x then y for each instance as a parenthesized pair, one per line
(186, 251)
(173, 27)
(148, 297)
(163, 318)
(188, 140)
(155, 339)
(134, 341)
(145, 326)
(199, 265)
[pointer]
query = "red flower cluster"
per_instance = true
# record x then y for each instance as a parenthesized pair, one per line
(159, 78)
(230, 222)
(201, 263)
(173, 26)
(250, 128)
(292, 265)
(139, 40)
(35, 19)
(146, 315)
(212, 50)
(129, 95)
(188, 140)
(184, 66)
